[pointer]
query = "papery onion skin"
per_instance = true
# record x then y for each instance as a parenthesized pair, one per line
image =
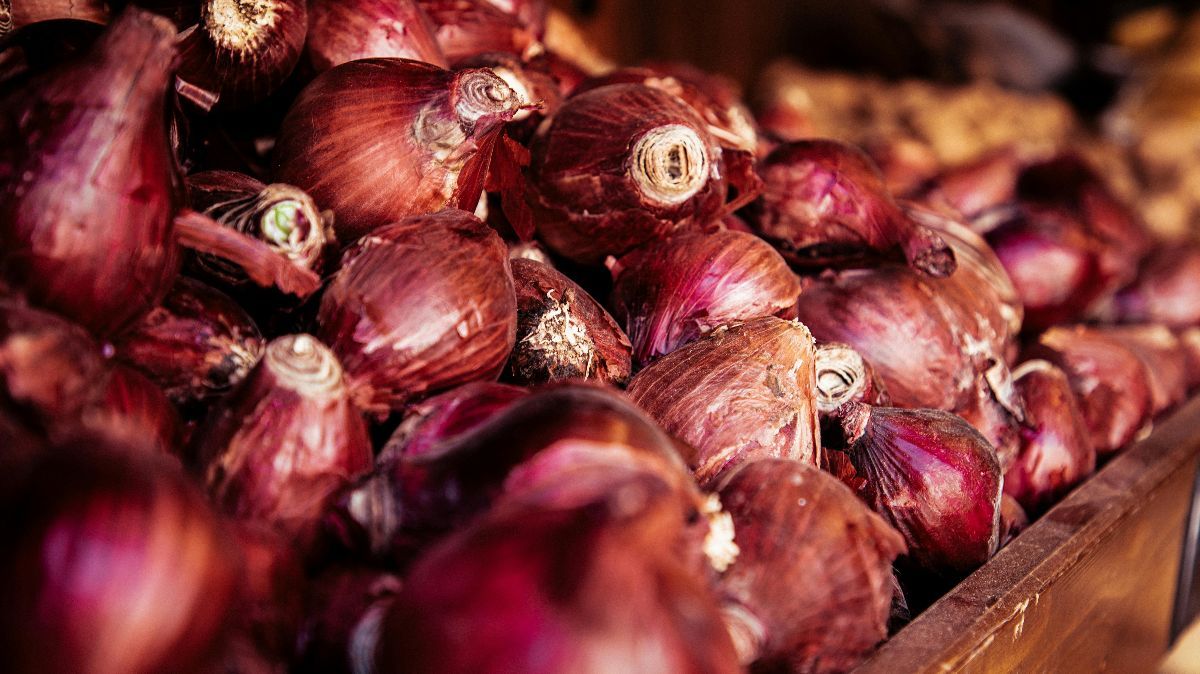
(270, 605)
(133, 410)
(620, 166)
(379, 139)
(741, 393)
(197, 345)
(420, 306)
(552, 590)
(240, 52)
(1167, 290)
(672, 292)
(104, 530)
(562, 333)
(30, 12)
(931, 476)
(824, 203)
(534, 85)
(1109, 381)
(467, 28)
(447, 416)
(814, 568)
(277, 448)
(341, 31)
(106, 255)
(343, 614)
(1056, 449)
(1164, 357)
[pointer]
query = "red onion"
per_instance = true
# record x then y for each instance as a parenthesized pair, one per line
(241, 51)
(39, 47)
(133, 411)
(933, 477)
(282, 216)
(932, 345)
(586, 588)
(531, 13)
(741, 393)
(105, 255)
(1164, 357)
(116, 564)
(19, 13)
(416, 496)
(672, 292)
(1167, 290)
(620, 166)
(448, 416)
(562, 333)
(812, 586)
(972, 189)
(420, 306)
(271, 602)
(197, 345)
(278, 447)
(466, 28)
(342, 620)
(341, 31)
(1056, 450)
(842, 376)
(380, 139)
(824, 203)
(1109, 381)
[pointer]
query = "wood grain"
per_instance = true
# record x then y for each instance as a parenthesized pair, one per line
(1089, 587)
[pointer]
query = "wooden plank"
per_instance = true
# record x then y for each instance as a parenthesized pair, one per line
(1089, 587)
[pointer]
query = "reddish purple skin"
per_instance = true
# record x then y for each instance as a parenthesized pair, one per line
(135, 410)
(1056, 450)
(1167, 290)
(937, 481)
(468, 28)
(339, 601)
(671, 293)
(1165, 360)
(448, 416)
(341, 31)
(585, 204)
(532, 590)
(93, 129)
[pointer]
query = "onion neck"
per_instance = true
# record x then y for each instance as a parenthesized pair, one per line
(478, 94)
(841, 376)
(669, 164)
(290, 222)
(853, 417)
(304, 365)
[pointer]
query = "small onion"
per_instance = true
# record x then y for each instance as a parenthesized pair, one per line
(824, 203)
(1108, 379)
(349, 30)
(1164, 357)
(197, 345)
(241, 51)
(279, 446)
(420, 306)
(467, 28)
(672, 292)
(115, 566)
(933, 477)
(380, 139)
(105, 255)
(1056, 450)
(547, 590)
(562, 333)
(742, 393)
(974, 188)
(1166, 291)
(620, 166)
(812, 586)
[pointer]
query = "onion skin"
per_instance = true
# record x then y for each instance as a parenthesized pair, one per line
(340, 31)
(594, 193)
(380, 139)
(270, 606)
(1164, 357)
(282, 216)
(813, 578)
(672, 292)
(531, 13)
(931, 476)
(532, 82)
(197, 345)
(562, 333)
(420, 306)
(824, 203)
(104, 529)
(1109, 381)
(448, 416)
(551, 578)
(133, 411)
(29, 12)
(1167, 290)
(742, 393)
(240, 52)
(106, 255)
(932, 345)
(972, 189)
(467, 28)
(343, 613)
(1013, 519)
(1056, 450)
(277, 448)
(842, 376)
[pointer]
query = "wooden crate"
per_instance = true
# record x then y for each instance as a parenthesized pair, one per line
(1101, 583)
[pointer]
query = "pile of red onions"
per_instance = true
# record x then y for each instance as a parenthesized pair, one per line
(405, 335)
